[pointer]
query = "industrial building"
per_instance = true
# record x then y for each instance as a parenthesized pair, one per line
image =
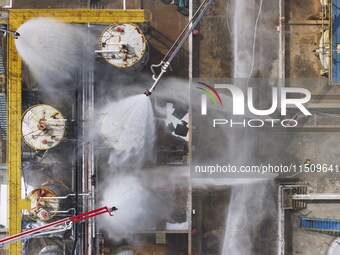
(119, 135)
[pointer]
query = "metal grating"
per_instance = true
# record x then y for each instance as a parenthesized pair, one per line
(2, 67)
(3, 119)
(160, 238)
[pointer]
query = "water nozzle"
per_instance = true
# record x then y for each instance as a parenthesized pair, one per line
(113, 209)
(147, 92)
(7, 31)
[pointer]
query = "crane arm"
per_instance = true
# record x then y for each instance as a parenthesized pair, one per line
(187, 30)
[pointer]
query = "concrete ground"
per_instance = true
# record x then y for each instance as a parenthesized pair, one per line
(209, 220)
(213, 58)
(315, 140)
(212, 48)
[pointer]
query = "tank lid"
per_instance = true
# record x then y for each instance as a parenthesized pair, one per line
(122, 45)
(43, 127)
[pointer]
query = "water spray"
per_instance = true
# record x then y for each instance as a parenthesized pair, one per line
(187, 30)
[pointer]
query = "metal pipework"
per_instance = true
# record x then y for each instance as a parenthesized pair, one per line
(65, 197)
(6, 31)
(67, 211)
(107, 51)
(164, 64)
(66, 227)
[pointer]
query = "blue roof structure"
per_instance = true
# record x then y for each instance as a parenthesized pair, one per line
(335, 72)
(331, 226)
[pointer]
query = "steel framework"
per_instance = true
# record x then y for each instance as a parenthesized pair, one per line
(14, 97)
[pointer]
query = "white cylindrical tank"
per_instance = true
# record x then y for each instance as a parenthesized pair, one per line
(43, 208)
(125, 250)
(124, 46)
(324, 2)
(43, 127)
(324, 50)
(334, 247)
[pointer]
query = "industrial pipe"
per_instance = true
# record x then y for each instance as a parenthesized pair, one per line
(14, 33)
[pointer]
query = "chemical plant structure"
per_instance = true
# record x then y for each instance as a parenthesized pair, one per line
(52, 166)
(65, 142)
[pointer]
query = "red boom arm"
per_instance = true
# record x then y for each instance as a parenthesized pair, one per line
(74, 219)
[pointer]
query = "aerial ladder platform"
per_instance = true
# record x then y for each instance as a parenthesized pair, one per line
(66, 222)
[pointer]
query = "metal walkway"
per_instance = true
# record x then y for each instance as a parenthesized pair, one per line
(325, 225)
(3, 120)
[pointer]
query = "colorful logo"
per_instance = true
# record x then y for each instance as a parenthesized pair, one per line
(212, 93)
(243, 105)
(208, 91)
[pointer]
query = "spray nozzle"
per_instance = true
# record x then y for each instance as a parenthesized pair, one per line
(147, 92)
(7, 31)
(113, 209)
